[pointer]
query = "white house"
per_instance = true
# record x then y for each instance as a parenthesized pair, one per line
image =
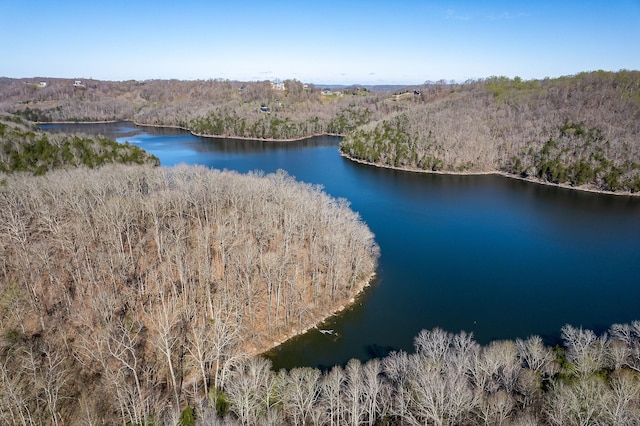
(277, 85)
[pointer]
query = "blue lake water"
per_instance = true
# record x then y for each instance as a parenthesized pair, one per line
(490, 255)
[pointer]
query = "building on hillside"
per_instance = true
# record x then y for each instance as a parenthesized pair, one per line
(277, 85)
(329, 92)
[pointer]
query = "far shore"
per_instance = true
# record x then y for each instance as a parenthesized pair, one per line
(80, 122)
(203, 135)
(242, 138)
(368, 163)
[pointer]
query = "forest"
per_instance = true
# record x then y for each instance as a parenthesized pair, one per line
(214, 107)
(142, 295)
(451, 380)
(582, 131)
(127, 292)
(579, 131)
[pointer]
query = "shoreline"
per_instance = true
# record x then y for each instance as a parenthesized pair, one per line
(79, 122)
(294, 332)
(314, 322)
(276, 341)
(241, 138)
(495, 173)
(202, 135)
(356, 160)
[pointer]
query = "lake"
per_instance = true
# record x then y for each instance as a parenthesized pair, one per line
(497, 257)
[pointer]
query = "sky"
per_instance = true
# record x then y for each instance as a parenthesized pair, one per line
(322, 42)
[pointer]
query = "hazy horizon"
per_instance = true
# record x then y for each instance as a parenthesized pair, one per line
(316, 84)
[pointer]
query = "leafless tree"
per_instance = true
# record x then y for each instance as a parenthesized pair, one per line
(585, 350)
(331, 395)
(301, 394)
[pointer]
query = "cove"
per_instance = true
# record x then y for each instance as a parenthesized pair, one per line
(497, 257)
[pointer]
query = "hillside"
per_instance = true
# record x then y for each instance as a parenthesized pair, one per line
(130, 292)
(255, 110)
(582, 131)
(127, 289)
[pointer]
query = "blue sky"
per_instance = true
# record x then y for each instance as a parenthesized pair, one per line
(368, 42)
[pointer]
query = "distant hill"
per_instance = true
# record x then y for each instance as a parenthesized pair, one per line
(581, 131)
(258, 110)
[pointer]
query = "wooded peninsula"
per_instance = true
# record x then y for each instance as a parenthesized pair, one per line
(135, 294)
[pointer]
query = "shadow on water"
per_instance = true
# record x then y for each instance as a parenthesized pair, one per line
(375, 350)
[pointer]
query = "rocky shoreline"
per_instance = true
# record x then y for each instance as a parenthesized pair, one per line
(316, 322)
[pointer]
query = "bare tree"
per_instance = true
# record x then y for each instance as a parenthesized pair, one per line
(585, 350)
(301, 394)
(353, 393)
(580, 404)
(536, 355)
(165, 320)
(250, 391)
(331, 395)
(623, 407)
